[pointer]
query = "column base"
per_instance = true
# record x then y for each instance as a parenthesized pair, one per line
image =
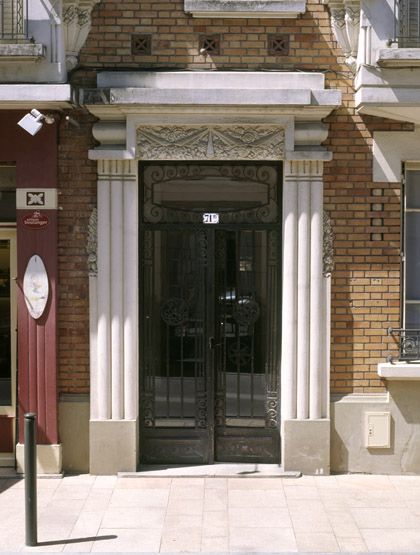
(49, 458)
(113, 446)
(306, 446)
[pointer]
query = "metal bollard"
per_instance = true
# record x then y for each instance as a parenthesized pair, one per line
(30, 480)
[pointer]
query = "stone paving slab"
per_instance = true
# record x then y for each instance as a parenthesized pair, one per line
(216, 514)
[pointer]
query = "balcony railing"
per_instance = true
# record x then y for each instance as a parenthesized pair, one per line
(406, 23)
(13, 20)
(408, 344)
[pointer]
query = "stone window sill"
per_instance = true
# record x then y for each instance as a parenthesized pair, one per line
(399, 57)
(28, 52)
(245, 8)
(399, 371)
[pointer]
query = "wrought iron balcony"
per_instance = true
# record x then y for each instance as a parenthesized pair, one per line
(13, 20)
(408, 344)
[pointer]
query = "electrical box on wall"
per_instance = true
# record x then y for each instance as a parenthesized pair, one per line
(377, 430)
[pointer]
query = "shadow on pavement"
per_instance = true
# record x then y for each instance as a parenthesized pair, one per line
(78, 540)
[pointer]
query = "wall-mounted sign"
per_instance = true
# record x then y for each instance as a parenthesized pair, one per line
(36, 220)
(36, 198)
(35, 287)
(211, 218)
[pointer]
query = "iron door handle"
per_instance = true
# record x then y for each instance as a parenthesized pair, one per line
(212, 344)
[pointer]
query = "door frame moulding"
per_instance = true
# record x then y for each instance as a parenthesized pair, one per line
(303, 158)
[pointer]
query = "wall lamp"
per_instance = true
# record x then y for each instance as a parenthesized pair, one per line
(33, 121)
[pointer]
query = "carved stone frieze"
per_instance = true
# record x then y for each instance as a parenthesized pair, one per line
(328, 246)
(92, 242)
(345, 23)
(76, 26)
(218, 142)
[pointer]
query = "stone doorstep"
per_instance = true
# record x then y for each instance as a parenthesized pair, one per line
(218, 470)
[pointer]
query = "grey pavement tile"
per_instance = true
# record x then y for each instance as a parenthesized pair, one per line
(186, 539)
(301, 492)
(215, 499)
(71, 492)
(133, 517)
(87, 524)
(97, 500)
(143, 483)
(139, 498)
(215, 518)
(384, 518)
(186, 492)
(374, 499)
(210, 531)
(352, 545)
(79, 547)
(216, 483)
(343, 524)
(409, 493)
(127, 540)
(190, 481)
(392, 540)
(214, 544)
(190, 507)
(306, 519)
(182, 521)
(262, 540)
(317, 542)
(104, 482)
(274, 517)
(79, 479)
(256, 483)
(256, 498)
(364, 482)
(68, 506)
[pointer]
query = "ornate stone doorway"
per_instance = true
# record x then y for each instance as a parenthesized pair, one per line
(210, 236)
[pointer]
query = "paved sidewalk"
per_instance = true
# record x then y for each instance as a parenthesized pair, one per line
(351, 513)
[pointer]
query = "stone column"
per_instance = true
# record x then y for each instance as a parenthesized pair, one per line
(114, 365)
(304, 368)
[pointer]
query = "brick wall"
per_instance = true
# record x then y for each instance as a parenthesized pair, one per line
(77, 196)
(365, 215)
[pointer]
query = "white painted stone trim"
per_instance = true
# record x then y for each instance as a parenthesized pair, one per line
(114, 373)
(390, 149)
(399, 371)
(245, 8)
(304, 371)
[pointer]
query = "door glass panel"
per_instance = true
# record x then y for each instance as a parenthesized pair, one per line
(180, 192)
(5, 326)
(175, 320)
(412, 256)
(7, 194)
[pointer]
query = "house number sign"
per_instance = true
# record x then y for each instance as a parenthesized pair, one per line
(211, 218)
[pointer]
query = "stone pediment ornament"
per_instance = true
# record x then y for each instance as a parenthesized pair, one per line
(218, 142)
(76, 26)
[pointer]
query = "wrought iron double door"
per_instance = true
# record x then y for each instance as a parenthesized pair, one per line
(210, 344)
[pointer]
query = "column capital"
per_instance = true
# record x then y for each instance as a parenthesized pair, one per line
(303, 169)
(121, 170)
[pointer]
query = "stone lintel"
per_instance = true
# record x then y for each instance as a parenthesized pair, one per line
(245, 8)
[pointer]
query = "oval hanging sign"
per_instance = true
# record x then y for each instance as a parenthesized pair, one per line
(35, 287)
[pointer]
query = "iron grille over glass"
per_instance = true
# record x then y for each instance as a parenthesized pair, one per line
(210, 312)
(13, 20)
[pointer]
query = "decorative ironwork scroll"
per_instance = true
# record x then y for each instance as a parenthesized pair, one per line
(218, 142)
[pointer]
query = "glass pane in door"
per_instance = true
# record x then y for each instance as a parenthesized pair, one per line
(5, 325)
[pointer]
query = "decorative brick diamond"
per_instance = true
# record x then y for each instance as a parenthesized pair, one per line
(278, 45)
(141, 44)
(209, 44)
